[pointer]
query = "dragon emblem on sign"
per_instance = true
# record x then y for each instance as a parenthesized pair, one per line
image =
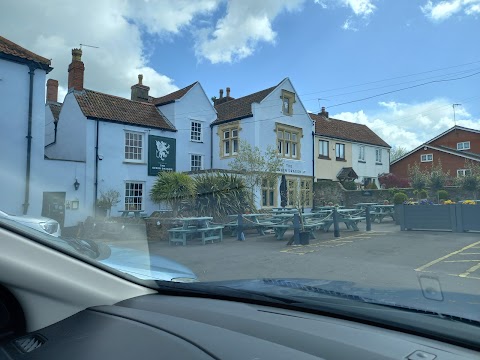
(162, 149)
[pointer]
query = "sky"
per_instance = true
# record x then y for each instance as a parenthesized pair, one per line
(397, 66)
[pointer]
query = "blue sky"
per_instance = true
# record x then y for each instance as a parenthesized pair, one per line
(325, 47)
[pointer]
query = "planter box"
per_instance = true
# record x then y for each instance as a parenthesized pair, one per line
(468, 217)
(429, 217)
(398, 214)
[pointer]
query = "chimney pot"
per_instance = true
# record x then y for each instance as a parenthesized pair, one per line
(76, 54)
(140, 79)
(221, 93)
(52, 90)
(228, 92)
(139, 91)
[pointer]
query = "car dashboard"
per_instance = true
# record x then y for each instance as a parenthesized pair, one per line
(163, 326)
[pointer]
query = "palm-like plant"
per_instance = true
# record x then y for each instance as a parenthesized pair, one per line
(173, 188)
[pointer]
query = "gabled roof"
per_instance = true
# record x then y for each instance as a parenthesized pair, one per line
(10, 48)
(345, 130)
(347, 173)
(456, 127)
(55, 108)
(113, 108)
(176, 95)
(241, 107)
(444, 149)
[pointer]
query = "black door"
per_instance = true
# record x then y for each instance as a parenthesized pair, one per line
(54, 206)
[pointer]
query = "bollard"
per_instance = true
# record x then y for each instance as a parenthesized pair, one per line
(296, 229)
(240, 234)
(336, 228)
(368, 218)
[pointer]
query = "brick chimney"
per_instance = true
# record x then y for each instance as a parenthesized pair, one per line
(52, 90)
(223, 99)
(76, 71)
(140, 91)
(324, 113)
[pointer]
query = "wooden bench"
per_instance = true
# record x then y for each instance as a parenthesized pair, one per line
(310, 227)
(211, 234)
(381, 215)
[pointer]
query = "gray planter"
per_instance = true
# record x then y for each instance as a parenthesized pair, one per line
(398, 214)
(468, 217)
(429, 217)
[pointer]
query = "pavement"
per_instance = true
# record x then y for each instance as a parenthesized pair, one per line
(384, 256)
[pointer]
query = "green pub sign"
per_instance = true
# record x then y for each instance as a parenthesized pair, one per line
(161, 154)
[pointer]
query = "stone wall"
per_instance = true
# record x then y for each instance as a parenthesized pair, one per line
(332, 191)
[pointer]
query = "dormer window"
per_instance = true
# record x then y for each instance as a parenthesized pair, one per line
(288, 98)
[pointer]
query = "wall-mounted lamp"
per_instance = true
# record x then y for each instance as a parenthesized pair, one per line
(76, 184)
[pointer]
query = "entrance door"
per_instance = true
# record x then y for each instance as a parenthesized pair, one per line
(54, 206)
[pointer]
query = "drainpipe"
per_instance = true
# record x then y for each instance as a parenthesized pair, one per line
(96, 170)
(313, 169)
(29, 140)
(211, 147)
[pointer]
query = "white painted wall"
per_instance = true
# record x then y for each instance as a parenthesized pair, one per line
(369, 168)
(14, 97)
(49, 126)
(259, 131)
(71, 132)
(193, 106)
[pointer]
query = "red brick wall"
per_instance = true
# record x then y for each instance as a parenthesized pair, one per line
(449, 162)
(451, 139)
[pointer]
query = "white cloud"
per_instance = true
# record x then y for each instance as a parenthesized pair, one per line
(444, 9)
(53, 28)
(409, 125)
(361, 7)
(246, 24)
(347, 25)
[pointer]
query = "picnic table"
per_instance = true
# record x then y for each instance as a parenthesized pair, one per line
(136, 213)
(381, 211)
(326, 208)
(195, 226)
(284, 222)
(259, 222)
(285, 210)
(350, 217)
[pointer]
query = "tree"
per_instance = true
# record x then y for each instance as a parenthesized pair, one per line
(389, 181)
(257, 166)
(173, 188)
(471, 181)
(108, 199)
(437, 178)
(397, 152)
(418, 178)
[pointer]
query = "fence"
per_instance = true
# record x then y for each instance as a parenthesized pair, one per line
(456, 218)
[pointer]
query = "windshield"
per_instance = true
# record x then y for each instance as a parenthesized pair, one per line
(301, 148)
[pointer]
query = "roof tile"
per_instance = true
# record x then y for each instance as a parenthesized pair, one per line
(108, 107)
(346, 130)
(55, 109)
(241, 107)
(10, 48)
(172, 96)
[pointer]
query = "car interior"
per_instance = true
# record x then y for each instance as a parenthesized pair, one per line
(77, 310)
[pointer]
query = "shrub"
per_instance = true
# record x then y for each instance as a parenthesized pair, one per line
(442, 195)
(389, 181)
(371, 186)
(399, 198)
(349, 185)
(422, 194)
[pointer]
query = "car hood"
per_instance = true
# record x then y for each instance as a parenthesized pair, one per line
(146, 267)
(454, 304)
(29, 219)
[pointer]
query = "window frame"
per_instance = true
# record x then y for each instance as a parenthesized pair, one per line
(378, 156)
(192, 160)
(426, 157)
(306, 194)
(267, 190)
(142, 147)
(222, 129)
(290, 96)
(142, 196)
(361, 153)
(198, 131)
(287, 147)
(337, 147)
(464, 172)
(320, 149)
(463, 145)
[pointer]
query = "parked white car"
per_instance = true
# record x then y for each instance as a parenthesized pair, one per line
(42, 224)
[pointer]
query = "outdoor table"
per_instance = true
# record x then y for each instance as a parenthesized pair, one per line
(284, 210)
(192, 226)
(323, 208)
(381, 211)
(136, 213)
(364, 205)
(252, 221)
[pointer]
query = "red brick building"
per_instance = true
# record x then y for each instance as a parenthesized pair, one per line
(455, 148)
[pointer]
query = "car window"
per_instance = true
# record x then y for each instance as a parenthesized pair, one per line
(330, 144)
